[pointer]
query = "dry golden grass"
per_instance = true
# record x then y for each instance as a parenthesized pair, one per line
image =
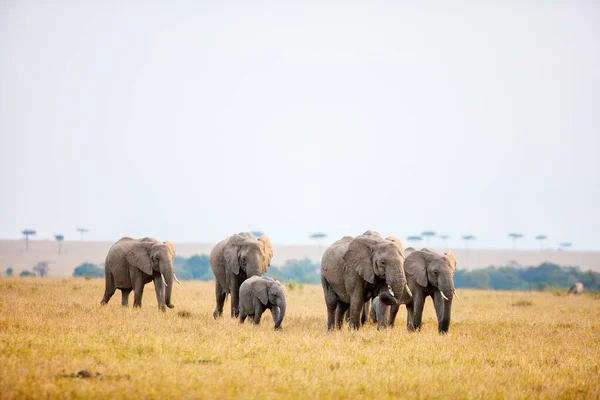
(500, 345)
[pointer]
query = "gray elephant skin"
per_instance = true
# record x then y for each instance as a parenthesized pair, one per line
(429, 273)
(576, 289)
(132, 263)
(259, 293)
(355, 270)
(235, 259)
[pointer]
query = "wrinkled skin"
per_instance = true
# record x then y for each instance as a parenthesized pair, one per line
(354, 270)
(235, 259)
(429, 273)
(576, 289)
(132, 263)
(257, 294)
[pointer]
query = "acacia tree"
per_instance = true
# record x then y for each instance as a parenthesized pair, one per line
(467, 239)
(318, 236)
(82, 231)
(27, 233)
(514, 237)
(445, 239)
(414, 238)
(566, 245)
(427, 235)
(59, 239)
(541, 239)
(257, 234)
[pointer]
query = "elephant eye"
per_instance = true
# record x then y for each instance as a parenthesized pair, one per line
(382, 262)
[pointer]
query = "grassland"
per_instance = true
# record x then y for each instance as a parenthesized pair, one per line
(500, 345)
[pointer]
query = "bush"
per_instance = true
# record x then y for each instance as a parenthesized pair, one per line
(26, 273)
(300, 271)
(88, 270)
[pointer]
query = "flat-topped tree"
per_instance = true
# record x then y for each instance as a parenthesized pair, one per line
(515, 236)
(467, 239)
(445, 239)
(82, 231)
(257, 234)
(59, 239)
(414, 238)
(318, 236)
(27, 233)
(541, 239)
(566, 245)
(427, 235)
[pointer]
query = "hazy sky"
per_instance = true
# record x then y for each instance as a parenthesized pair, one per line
(190, 122)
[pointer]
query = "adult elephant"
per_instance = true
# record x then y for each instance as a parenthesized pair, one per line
(132, 263)
(429, 273)
(354, 270)
(576, 289)
(235, 259)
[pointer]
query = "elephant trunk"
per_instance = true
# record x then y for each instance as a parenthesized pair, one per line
(447, 290)
(397, 281)
(281, 305)
(166, 270)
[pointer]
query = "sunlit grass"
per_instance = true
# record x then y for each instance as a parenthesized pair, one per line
(500, 345)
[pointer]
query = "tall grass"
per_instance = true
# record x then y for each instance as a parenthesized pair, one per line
(57, 342)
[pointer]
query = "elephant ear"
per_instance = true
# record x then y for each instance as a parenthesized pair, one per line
(260, 290)
(231, 253)
(171, 250)
(397, 243)
(416, 267)
(451, 260)
(359, 257)
(139, 256)
(268, 251)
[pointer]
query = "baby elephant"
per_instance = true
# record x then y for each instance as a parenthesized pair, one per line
(259, 293)
(380, 311)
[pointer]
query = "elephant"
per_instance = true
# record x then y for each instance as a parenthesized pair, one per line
(354, 270)
(258, 293)
(380, 309)
(233, 260)
(132, 263)
(429, 273)
(576, 289)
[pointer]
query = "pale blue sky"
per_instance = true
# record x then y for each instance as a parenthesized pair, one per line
(189, 121)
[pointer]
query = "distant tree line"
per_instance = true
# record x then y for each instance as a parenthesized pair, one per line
(544, 276)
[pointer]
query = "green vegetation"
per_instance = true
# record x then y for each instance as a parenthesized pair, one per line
(26, 273)
(196, 267)
(9, 271)
(300, 271)
(88, 270)
(542, 277)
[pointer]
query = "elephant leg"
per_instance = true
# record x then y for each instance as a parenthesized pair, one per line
(418, 304)
(110, 287)
(234, 288)
(356, 306)
(160, 292)
(365, 312)
(125, 297)
(331, 300)
(393, 312)
(409, 317)
(258, 310)
(220, 294)
(275, 313)
(339, 313)
(243, 315)
(138, 292)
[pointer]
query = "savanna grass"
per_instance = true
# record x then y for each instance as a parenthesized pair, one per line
(57, 342)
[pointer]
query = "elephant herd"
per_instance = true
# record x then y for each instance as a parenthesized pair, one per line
(357, 273)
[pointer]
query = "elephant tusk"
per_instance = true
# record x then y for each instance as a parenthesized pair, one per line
(444, 296)
(390, 290)
(408, 290)
(456, 294)
(163, 279)
(176, 280)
